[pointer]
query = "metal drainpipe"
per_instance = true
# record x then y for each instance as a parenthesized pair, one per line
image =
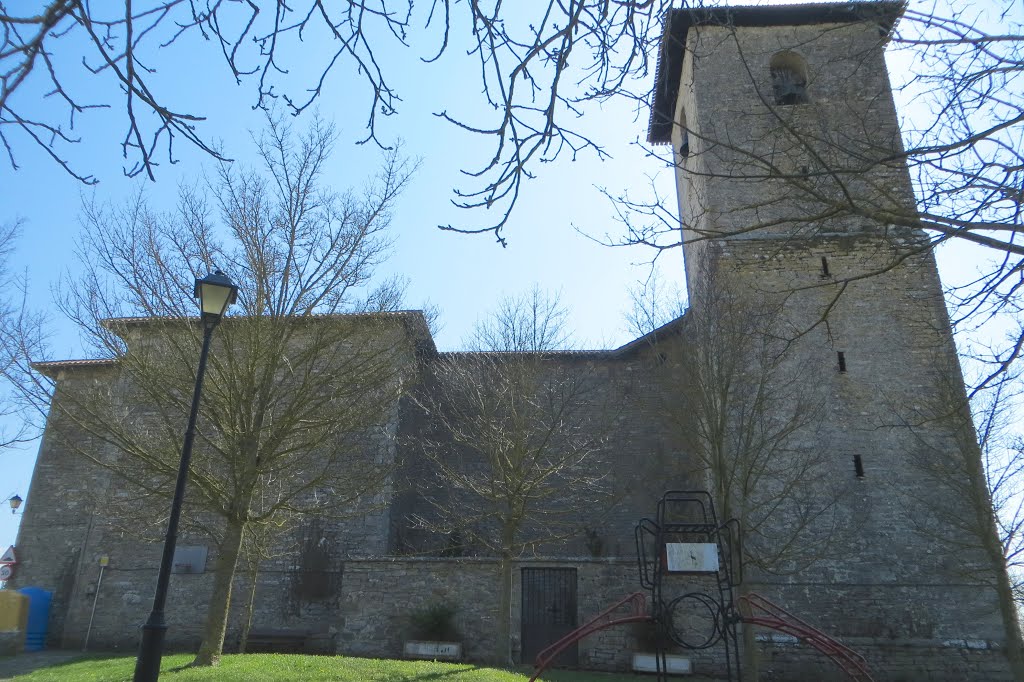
(104, 560)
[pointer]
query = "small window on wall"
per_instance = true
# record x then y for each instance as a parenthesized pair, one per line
(189, 559)
(683, 137)
(789, 78)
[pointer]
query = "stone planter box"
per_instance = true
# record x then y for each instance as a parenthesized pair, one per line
(648, 663)
(441, 651)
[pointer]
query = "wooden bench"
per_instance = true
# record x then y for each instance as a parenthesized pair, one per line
(277, 641)
(312, 640)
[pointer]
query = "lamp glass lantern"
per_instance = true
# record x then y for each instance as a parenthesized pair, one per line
(15, 502)
(215, 292)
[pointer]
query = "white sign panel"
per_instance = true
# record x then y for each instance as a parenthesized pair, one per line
(6, 571)
(691, 557)
(8, 556)
(433, 650)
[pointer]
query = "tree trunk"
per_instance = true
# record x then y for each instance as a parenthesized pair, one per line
(992, 545)
(243, 641)
(750, 665)
(1014, 647)
(503, 647)
(220, 600)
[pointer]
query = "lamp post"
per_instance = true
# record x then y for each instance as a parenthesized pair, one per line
(215, 292)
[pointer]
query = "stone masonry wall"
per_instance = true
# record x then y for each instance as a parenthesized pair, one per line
(368, 615)
(785, 204)
(624, 396)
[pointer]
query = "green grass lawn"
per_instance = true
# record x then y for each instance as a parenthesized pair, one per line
(274, 667)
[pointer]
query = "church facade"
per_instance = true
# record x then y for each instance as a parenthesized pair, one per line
(850, 462)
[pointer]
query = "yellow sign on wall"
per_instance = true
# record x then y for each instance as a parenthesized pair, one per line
(13, 611)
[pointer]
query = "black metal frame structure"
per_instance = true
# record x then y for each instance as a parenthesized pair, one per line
(689, 516)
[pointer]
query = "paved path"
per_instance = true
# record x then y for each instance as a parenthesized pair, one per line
(22, 664)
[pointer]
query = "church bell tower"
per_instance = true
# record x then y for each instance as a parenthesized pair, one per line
(793, 188)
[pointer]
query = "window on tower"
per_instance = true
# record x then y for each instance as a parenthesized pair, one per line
(682, 137)
(789, 78)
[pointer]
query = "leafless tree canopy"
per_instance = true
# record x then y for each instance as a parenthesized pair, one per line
(14, 315)
(748, 413)
(302, 373)
(655, 303)
(520, 430)
(983, 469)
(532, 323)
(540, 66)
(522, 53)
(516, 450)
(748, 421)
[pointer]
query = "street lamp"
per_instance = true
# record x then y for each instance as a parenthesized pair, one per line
(215, 293)
(15, 502)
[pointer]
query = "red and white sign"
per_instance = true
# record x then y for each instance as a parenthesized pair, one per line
(6, 571)
(8, 556)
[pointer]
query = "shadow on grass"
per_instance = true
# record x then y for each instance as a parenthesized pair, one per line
(26, 663)
(81, 658)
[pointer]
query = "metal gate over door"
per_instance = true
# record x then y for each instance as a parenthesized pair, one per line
(549, 611)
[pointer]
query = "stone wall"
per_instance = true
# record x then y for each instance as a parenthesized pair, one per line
(367, 613)
(809, 207)
(896, 660)
(623, 400)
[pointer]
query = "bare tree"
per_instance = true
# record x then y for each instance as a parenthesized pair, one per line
(654, 304)
(747, 418)
(522, 55)
(301, 382)
(983, 470)
(532, 323)
(18, 426)
(517, 445)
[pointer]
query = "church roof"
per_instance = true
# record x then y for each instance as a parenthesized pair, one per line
(414, 318)
(414, 321)
(51, 367)
(679, 21)
(651, 338)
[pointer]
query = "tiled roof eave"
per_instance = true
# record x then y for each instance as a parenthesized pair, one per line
(52, 367)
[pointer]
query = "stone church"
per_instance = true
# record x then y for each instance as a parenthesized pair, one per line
(796, 208)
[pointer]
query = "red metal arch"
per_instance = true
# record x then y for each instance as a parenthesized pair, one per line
(757, 610)
(754, 609)
(636, 612)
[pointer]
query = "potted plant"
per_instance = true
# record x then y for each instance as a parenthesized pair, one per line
(434, 635)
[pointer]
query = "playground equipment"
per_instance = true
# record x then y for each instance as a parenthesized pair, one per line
(757, 610)
(686, 540)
